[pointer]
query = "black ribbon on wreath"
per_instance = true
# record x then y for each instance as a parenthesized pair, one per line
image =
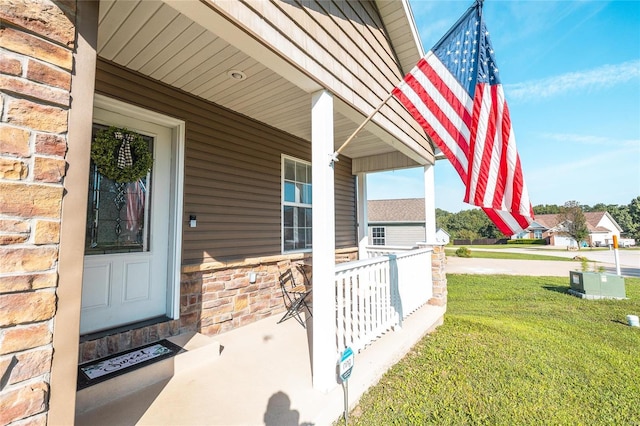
(125, 159)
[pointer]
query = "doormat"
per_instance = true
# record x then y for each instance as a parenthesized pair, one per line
(103, 369)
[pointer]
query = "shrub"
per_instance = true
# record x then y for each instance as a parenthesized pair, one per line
(542, 242)
(463, 252)
(584, 263)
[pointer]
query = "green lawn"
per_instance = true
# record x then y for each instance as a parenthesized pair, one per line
(508, 255)
(516, 351)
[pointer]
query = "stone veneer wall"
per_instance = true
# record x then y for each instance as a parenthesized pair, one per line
(37, 39)
(120, 342)
(439, 276)
(219, 300)
(216, 299)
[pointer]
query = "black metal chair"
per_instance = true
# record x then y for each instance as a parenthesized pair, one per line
(294, 296)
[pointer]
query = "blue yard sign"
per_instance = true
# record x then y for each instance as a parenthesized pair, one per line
(346, 364)
(345, 368)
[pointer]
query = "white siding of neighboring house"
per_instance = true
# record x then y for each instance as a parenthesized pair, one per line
(606, 238)
(401, 235)
(442, 237)
(601, 238)
(606, 222)
(563, 241)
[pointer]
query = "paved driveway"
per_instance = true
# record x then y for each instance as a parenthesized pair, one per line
(629, 263)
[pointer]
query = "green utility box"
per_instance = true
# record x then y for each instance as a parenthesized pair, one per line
(597, 285)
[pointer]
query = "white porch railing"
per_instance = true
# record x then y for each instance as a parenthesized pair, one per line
(376, 294)
(373, 251)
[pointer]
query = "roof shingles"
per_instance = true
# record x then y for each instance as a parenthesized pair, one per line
(399, 210)
(550, 221)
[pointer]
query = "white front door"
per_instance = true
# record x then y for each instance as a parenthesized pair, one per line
(127, 276)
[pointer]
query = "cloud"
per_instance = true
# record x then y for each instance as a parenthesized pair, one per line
(598, 167)
(598, 78)
(527, 19)
(589, 161)
(432, 31)
(589, 179)
(593, 140)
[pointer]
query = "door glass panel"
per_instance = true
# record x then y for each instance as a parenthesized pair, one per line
(117, 213)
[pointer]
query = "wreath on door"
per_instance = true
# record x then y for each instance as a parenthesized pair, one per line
(121, 154)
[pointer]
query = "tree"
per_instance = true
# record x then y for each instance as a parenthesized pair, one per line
(546, 209)
(441, 219)
(490, 230)
(467, 224)
(467, 234)
(634, 211)
(573, 222)
(623, 218)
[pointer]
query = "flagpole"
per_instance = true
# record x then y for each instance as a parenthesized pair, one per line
(353, 135)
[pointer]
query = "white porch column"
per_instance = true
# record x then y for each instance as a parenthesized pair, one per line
(324, 357)
(363, 224)
(430, 203)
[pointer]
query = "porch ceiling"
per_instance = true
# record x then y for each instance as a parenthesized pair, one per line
(156, 40)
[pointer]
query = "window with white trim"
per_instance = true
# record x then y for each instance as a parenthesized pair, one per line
(296, 205)
(377, 235)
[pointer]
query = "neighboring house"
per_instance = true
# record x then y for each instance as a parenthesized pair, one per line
(242, 104)
(602, 227)
(442, 237)
(399, 222)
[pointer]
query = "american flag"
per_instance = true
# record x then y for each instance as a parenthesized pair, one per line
(455, 94)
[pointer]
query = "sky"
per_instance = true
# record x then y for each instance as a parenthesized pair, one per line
(571, 77)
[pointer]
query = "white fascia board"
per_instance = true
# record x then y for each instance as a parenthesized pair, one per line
(413, 27)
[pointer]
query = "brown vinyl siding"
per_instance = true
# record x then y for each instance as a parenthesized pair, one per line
(232, 172)
(345, 205)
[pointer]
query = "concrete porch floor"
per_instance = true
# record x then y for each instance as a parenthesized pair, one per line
(262, 377)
